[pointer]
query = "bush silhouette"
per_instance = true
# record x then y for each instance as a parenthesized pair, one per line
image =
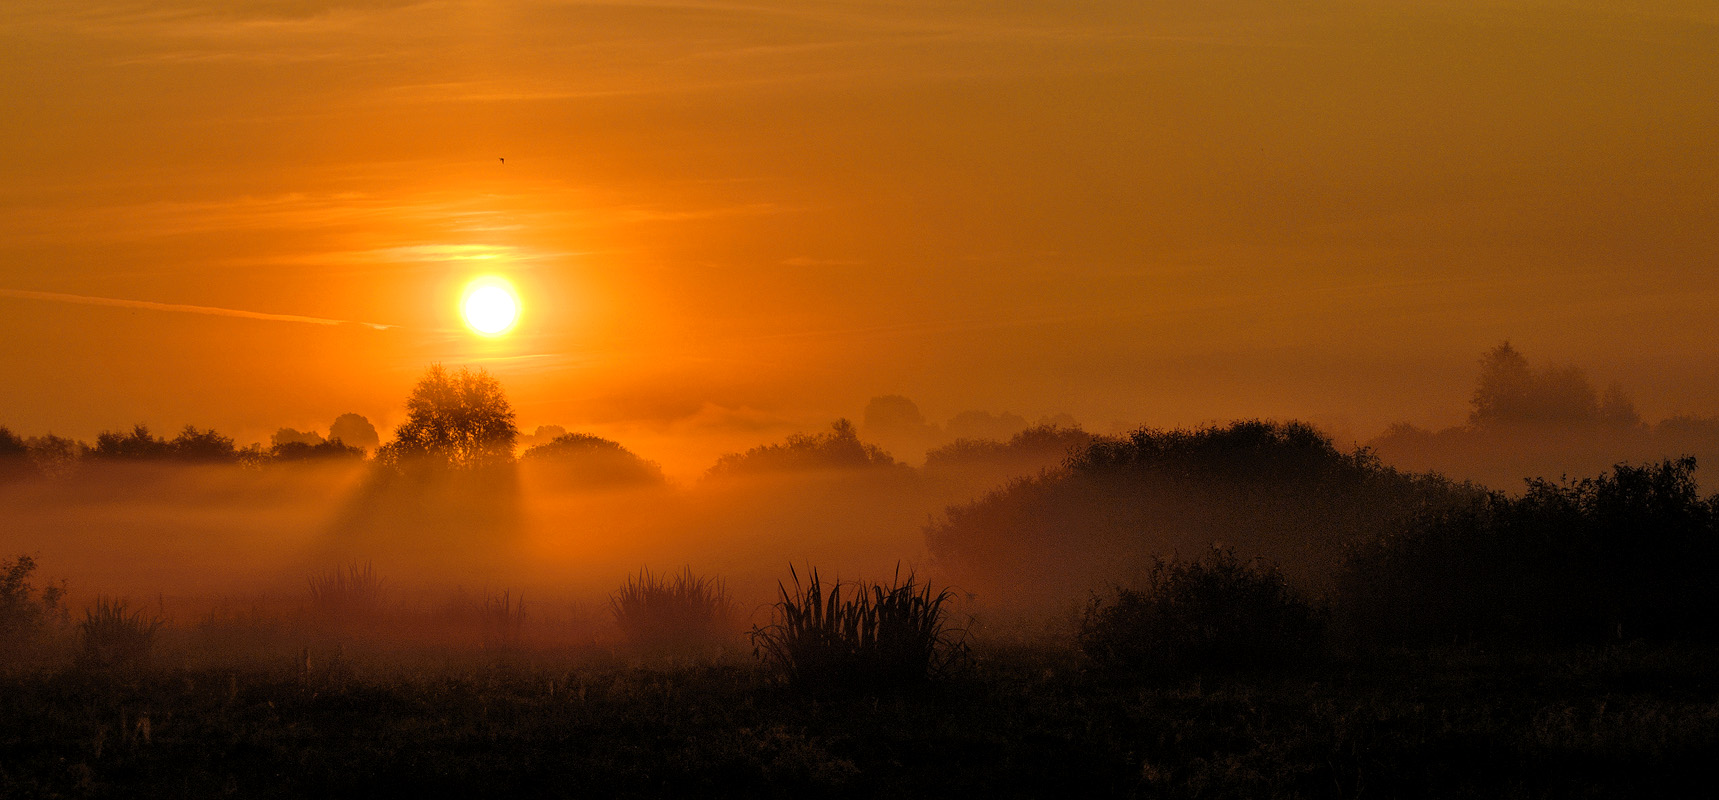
(838, 448)
(1216, 613)
(583, 459)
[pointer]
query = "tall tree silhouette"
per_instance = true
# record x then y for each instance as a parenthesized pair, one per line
(1510, 392)
(454, 420)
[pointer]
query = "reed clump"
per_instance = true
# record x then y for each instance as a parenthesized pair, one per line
(682, 614)
(112, 636)
(859, 636)
(346, 596)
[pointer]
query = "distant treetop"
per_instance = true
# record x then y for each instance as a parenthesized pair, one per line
(354, 431)
(1510, 392)
(193, 445)
(837, 448)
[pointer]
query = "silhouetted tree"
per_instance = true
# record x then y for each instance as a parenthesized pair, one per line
(543, 435)
(354, 431)
(454, 420)
(205, 446)
(1617, 409)
(896, 422)
(1550, 421)
(838, 448)
(14, 456)
(1511, 392)
(53, 456)
(138, 445)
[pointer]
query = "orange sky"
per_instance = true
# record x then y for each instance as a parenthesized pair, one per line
(735, 220)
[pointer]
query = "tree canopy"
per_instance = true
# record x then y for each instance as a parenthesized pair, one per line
(457, 420)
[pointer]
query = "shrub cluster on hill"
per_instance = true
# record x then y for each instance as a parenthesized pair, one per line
(1629, 553)
(1278, 490)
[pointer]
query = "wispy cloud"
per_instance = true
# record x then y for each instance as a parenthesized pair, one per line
(57, 297)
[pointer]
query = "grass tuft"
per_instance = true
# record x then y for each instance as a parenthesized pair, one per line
(349, 596)
(874, 636)
(111, 637)
(680, 615)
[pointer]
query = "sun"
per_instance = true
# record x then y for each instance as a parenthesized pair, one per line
(490, 306)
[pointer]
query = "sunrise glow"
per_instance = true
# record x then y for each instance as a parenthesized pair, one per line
(490, 307)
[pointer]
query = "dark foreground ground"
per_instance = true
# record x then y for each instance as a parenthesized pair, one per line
(1623, 721)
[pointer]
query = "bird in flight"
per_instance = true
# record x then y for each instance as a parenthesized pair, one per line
(504, 161)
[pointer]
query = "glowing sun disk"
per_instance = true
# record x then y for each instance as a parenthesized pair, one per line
(490, 308)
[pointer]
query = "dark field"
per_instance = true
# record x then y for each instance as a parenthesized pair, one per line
(1629, 720)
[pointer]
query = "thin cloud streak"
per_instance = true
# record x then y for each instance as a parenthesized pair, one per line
(57, 297)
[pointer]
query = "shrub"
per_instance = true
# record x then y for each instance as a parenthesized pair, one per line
(110, 637)
(877, 636)
(349, 596)
(681, 615)
(25, 611)
(1217, 613)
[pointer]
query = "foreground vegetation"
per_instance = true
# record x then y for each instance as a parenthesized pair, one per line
(1608, 721)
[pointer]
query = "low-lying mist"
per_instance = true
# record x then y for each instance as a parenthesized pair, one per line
(198, 544)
